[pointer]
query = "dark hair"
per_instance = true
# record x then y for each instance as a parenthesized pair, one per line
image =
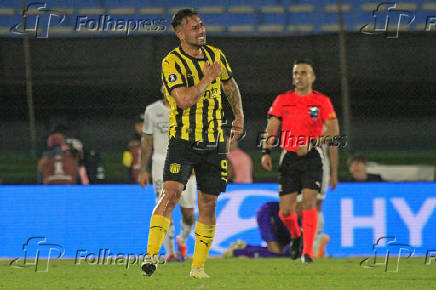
(305, 61)
(356, 158)
(182, 14)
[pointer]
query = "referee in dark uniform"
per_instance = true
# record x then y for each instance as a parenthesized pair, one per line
(193, 74)
(307, 120)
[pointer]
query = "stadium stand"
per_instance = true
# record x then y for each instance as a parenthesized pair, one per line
(272, 19)
(228, 17)
(214, 22)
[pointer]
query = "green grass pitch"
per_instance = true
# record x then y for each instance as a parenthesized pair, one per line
(225, 274)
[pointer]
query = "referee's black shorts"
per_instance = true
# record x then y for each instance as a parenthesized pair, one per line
(209, 162)
(298, 172)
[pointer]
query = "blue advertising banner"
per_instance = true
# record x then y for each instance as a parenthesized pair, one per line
(357, 215)
(99, 220)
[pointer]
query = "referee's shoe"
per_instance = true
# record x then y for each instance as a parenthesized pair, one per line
(306, 259)
(296, 247)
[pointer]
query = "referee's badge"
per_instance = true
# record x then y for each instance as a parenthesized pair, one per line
(174, 168)
(314, 112)
(172, 78)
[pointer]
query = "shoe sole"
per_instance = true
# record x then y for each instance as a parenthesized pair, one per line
(148, 269)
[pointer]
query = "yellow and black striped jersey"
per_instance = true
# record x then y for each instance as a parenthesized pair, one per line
(201, 122)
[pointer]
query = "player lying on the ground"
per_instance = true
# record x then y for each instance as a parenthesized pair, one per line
(274, 233)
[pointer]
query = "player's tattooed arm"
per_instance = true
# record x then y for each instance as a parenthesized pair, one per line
(146, 151)
(233, 94)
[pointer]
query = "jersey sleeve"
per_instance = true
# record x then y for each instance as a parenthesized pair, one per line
(328, 112)
(276, 108)
(147, 128)
(172, 76)
(226, 71)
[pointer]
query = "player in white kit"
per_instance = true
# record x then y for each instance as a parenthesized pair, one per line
(154, 143)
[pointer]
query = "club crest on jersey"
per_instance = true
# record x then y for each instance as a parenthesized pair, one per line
(174, 168)
(172, 78)
(314, 112)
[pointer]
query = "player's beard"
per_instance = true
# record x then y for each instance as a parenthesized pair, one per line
(197, 43)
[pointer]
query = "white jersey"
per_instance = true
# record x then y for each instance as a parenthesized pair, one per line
(156, 123)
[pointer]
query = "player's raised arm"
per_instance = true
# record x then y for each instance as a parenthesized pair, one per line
(272, 129)
(233, 94)
(186, 97)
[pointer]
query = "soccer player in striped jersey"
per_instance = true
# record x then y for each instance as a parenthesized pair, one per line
(193, 75)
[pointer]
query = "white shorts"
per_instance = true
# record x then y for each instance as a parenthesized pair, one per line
(325, 172)
(187, 199)
(325, 175)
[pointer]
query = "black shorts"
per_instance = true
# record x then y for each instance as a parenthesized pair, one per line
(298, 172)
(208, 161)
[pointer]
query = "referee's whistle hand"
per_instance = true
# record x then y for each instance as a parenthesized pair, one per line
(266, 162)
(143, 179)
